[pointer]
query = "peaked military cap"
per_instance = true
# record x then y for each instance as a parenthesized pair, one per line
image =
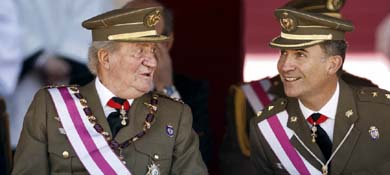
(326, 7)
(306, 23)
(130, 25)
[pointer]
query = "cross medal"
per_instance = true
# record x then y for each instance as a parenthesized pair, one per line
(324, 169)
(123, 115)
(313, 133)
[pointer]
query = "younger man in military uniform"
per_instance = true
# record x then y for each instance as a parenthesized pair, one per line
(113, 125)
(244, 100)
(324, 125)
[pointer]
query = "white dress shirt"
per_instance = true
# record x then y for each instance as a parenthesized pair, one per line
(105, 95)
(329, 110)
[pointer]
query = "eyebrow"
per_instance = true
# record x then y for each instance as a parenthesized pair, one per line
(303, 50)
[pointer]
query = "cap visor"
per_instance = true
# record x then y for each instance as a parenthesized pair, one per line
(284, 43)
(157, 38)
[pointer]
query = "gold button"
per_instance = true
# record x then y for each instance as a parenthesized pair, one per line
(65, 154)
(156, 157)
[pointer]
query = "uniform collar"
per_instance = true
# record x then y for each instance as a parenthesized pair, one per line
(329, 109)
(105, 94)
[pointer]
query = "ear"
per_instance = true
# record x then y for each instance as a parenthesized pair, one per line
(103, 58)
(335, 63)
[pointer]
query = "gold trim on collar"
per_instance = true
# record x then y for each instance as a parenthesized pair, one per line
(306, 37)
(296, 45)
(127, 36)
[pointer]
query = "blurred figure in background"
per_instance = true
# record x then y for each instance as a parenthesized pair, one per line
(382, 44)
(10, 50)
(10, 66)
(192, 92)
(54, 49)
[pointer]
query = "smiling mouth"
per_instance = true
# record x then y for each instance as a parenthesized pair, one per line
(291, 79)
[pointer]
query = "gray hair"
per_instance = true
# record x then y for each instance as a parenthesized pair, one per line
(93, 59)
(335, 47)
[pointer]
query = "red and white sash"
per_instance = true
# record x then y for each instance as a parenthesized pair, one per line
(89, 145)
(256, 93)
(278, 135)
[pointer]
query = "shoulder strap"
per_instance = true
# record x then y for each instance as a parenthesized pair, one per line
(256, 93)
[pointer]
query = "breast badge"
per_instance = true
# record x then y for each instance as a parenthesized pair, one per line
(374, 133)
(169, 130)
(153, 169)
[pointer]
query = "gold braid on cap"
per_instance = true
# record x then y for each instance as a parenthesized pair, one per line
(334, 5)
(153, 18)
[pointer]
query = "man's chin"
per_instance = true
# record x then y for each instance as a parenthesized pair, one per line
(290, 92)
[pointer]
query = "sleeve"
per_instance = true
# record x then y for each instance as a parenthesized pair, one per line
(186, 156)
(258, 155)
(31, 152)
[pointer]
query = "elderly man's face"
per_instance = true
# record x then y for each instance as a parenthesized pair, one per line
(304, 72)
(132, 67)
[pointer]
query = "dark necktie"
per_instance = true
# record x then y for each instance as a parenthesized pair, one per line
(319, 134)
(118, 118)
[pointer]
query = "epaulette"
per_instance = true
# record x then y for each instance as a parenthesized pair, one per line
(163, 95)
(373, 94)
(275, 107)
(58, 86)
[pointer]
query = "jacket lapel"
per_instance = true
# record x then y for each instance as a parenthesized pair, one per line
(346, 115)
(137, 115)
(302, 130)
(90, 94)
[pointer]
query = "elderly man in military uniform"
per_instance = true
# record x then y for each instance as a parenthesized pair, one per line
(246, 99)
(113, 125)
(324, 125)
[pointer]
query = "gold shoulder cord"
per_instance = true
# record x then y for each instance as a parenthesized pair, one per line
(240, 118)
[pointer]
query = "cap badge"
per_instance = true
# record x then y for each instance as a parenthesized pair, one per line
(287, 23)
(153, 18)
(334, 5)
(374, 132)
(169, 130)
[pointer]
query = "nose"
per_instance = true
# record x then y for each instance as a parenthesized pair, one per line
(150, 60)
(286, 63)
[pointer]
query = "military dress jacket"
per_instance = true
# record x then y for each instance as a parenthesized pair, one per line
(43, 149)
(362, 152)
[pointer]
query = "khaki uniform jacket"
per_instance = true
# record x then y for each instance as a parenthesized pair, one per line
(360, 153)
(41, 145)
